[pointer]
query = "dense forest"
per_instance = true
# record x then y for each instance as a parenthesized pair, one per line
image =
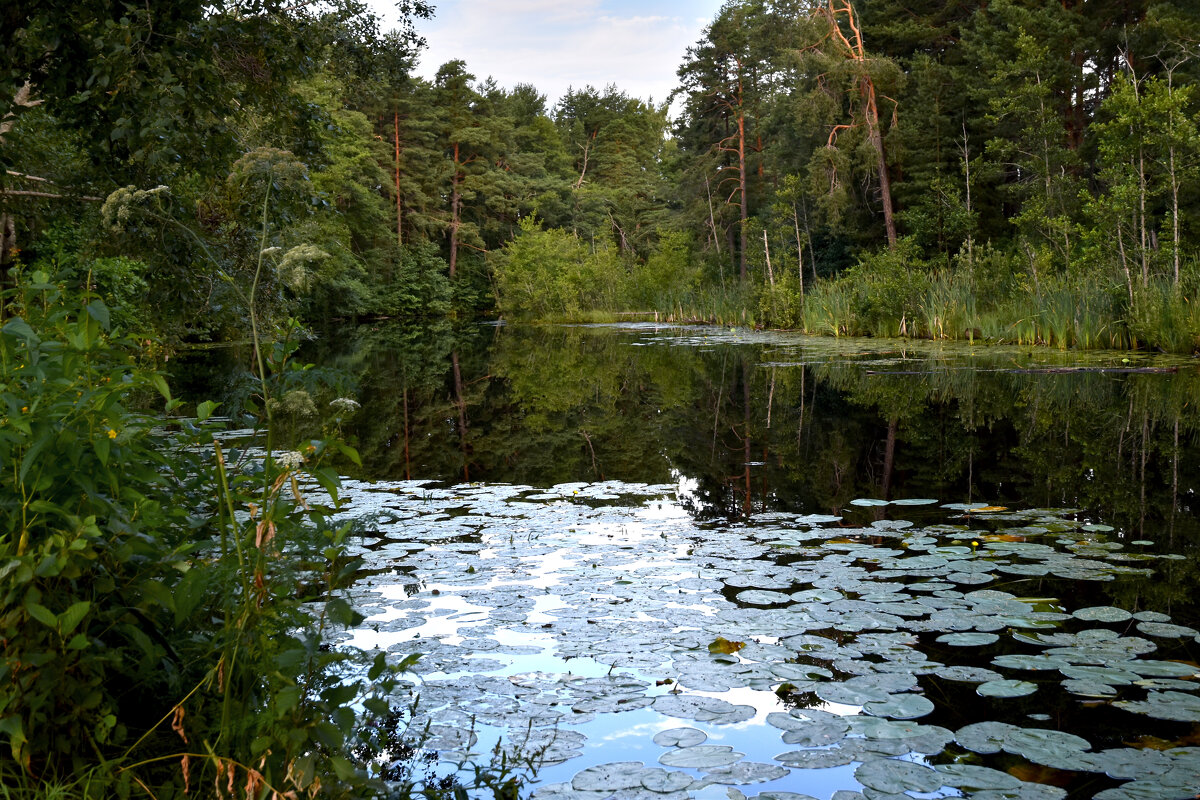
(1014, 170)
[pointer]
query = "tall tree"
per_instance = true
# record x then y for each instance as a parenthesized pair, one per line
(845, 54)
(723, 82)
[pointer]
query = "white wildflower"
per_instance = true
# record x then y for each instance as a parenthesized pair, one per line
(298, 265)
(118, 210)
(345, 405)
(270, 251)
(289, 459)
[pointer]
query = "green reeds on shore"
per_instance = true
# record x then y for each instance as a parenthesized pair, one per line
(550, 276)
(1063, 313)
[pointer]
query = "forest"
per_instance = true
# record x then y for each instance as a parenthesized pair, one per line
(1015, 171)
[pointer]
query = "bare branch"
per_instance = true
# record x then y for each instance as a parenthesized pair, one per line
(49, 195)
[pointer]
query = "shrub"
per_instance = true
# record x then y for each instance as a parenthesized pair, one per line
(552, 273)
(156, 591)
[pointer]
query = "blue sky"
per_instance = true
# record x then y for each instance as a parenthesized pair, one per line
(553, 44)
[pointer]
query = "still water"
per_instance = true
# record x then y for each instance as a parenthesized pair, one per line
(712, 563)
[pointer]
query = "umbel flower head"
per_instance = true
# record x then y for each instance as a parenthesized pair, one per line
(344, 405)
(118, 209)
(289, 459)
(297, 266)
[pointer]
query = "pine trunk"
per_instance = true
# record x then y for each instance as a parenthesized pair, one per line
(455, 205)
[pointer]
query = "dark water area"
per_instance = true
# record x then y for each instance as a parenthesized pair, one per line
(1037, 473)
(765, 421)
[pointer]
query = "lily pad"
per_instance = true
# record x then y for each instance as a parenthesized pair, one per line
(897, 777)
(972, 776)
(680, 737)
(664, 781)
(1164, 630)
(968, 674)
(900, 706)
(702, 709)
(985, 737)
(701, 756)
(1089, 688)
(610, 777)
(818, 759)
(968, 639)
(744, 773)
(1006, 688)
(1168, 705)
(1102, 614)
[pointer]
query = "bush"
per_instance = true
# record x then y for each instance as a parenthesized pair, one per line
(156, 591)
(552, 273)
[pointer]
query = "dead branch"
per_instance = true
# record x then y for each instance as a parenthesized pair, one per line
(49, 195)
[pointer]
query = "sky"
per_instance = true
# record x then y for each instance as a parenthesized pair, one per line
(555, 45)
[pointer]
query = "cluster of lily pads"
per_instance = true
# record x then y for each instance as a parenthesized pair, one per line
(808, 655)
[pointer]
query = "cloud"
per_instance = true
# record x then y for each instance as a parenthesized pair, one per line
(553, 45)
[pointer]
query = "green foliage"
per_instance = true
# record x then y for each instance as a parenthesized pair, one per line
(671, 275)
(552, 273)
(157, 593)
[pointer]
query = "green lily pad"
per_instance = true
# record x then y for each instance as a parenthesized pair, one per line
(1160, 669)
(897, 777)
(1038, 662)
(900, 706)
(968, 639)
(610, 777)
(984, 737)
(744, 773)
(763, 597)
(1164, 630)
(1006, 688)
(701, 756)
(818, 759)
(968, 674)
(680, 737)
(972, 776)
(1089, 688)
(1168, 705)
(1102, 614)
(1026, 791)
(661, 781)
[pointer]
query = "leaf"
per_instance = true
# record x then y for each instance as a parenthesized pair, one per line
(41, 614)
(205, 410)
(343, 768)
(378, 667)
(723, 645)
(349, 452)
(20, 328)
(70, 619)
(32, 454)
(341, 613)
(102, 445)
(160, 383)
(189, 592)
(99, 312)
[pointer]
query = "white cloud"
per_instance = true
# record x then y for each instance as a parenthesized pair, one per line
(554, 45)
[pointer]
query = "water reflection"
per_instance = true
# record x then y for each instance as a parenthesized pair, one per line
(763, 422)
(759, 423)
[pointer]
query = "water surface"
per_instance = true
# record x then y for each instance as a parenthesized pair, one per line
(685, 562)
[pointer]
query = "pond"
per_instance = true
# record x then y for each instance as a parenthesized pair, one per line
(712, 563)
